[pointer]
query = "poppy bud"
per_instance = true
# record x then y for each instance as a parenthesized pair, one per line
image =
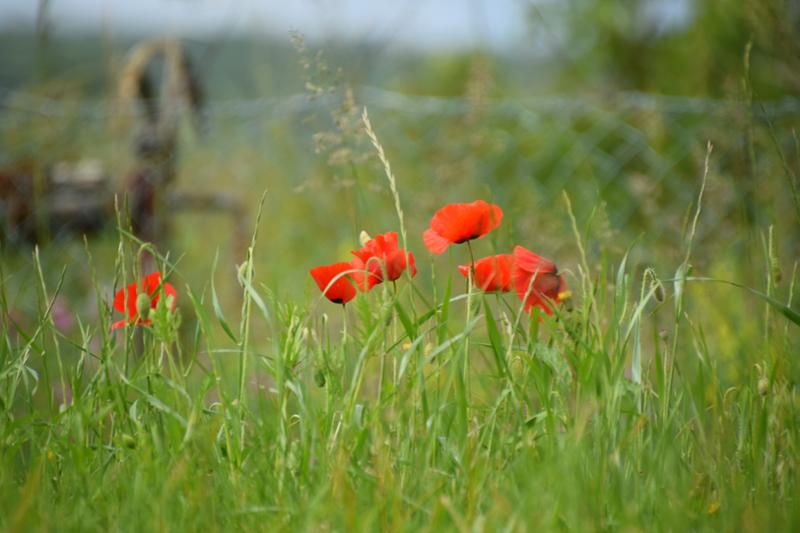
(763, 386)
(142, 305)
(138, 299)
(658, 292)
(777, 276)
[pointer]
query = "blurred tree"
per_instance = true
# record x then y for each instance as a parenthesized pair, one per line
(42, 36)
(692, 47)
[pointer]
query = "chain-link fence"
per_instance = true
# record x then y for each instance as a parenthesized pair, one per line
(630, 162)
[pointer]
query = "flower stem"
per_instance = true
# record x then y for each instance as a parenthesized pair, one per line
(465, 377)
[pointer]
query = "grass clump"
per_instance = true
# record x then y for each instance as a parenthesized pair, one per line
(408, 409)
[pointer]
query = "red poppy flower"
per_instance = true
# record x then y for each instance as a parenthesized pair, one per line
(341, 290)
(493, 273)
(457, 223)
(126, 300)
(538, 279)
(381, 258)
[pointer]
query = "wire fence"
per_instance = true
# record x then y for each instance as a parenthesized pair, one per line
(638, 156)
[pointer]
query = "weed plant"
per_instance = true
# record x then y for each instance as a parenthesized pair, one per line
(421, 405)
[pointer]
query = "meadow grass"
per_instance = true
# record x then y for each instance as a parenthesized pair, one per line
(421, 406)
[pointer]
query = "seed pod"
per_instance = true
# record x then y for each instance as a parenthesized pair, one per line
(655, 285)
(777, 276)
(763, 386)
(142, 305)
(659, 291)
(319, 378)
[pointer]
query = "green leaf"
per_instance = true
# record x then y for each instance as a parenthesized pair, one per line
(202, 315)
(495, 340)
(785, 310)
(408, 324)
(678, 284)
(449, 342)
(441, 333)
(254, 296)
(215, 303)
(407, 356)
(156, 402)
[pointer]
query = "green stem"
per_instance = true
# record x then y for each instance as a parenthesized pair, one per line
(470, 283)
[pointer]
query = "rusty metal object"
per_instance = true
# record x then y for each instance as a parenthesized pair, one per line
(157, 111)
(38, 205)
(158, 88)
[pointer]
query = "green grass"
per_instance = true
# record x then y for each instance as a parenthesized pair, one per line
(663, 396)
(644, 404)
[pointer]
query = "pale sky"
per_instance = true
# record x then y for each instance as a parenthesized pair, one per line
(497, 24)
(415, 23)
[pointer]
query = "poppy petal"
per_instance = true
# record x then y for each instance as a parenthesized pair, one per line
(531, 262)
(525, 282)
(364, 278)
(151, 282)
(495, 217)
(536, 280)
(462, 222)
(548, 285)
(382, 257)
(447, 217)
(493, 273)
(434, 242)
(541, 305)
(125, 300)
(396, 263)
(119, 300)
(391, 239)
(131, 294)
(334, 282)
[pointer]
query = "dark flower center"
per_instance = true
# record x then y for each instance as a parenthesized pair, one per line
(473, 236)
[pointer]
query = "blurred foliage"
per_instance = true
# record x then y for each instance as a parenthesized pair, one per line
(570, 111)
(686, 47)
(518, 128)
(629, 44)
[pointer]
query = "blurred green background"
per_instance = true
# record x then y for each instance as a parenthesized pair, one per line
(611, 101)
